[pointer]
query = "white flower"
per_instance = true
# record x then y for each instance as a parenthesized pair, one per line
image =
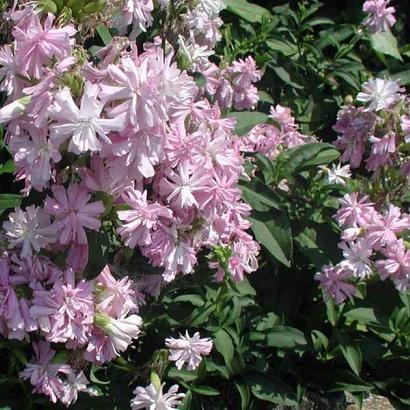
(74, 384)
(194, 53)
(153, 398)
(380, 94)
(120, 331)
(357, 256)
(83, 124)
(338, 174)
(13, 110)
(188, 349)
(211, 7)
(31, 229)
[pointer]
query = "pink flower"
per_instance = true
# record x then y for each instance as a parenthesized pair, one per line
(8, 72)
(66, 312)
(333, 281)
(44, 374)
(35, 45)
(137, 86)
(119, 331)
(137, 12)
(99, 349)
(180, 191)
(396, 266)
(30, 229)
(355, 211)
(73, 212)
(357, 256)
(383, 230)
(245, 72)
(82, 124)
(188, 350)
(380, 17)
(382, 151)
(152, 397)
(74, 384)
(141, 219)
(380, 94)
(116, 298)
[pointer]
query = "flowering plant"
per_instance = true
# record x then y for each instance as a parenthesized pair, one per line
(159, 201)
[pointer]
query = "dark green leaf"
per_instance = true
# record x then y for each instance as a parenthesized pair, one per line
(223, 344)
(246, 120)
(248, 11)
(385, 43)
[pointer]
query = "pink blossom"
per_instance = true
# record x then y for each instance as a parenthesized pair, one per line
(355, 211)
(137, 86)
(30, 229)
(66, 312)
(8, 72)
(152, 397)
(380, 17)
(141, 219)
(357, 257)
(382, 151)
(82, 124)
(73, 212)
(183, 185)
(114, 297)
(396, 266)
(333, 281)
(44, 374)
(74, 384)
(137, 12)
(383, 230)
(188, 350)
(35, 45)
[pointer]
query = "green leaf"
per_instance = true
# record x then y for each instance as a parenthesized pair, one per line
(205, 390)
(265, 97)
(281, 337)
(182, 374)
(283, 74)
(7, 168)
(223, 344)
(98, 243)
(259, 196)
(104, 34)
(94, 369)
(272, 231)
(320, 21)
(306, 156)
(283, 46)
(385, 43)
(245, 394)
(9, 201)
(248, 11)
(268, 388)
(246, 120)
(353, 356)
(200, 80)
(348, 381)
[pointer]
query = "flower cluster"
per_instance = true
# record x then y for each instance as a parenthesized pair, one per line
(372, 243)
(126, 143)
(377, 129)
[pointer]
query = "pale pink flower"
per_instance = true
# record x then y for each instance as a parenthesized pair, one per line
(153, 398)
(100, 348)
(245, 72)
(383, 230)
(83, 125)
(380, 17)
(73, 212)
(121, 331)
(382, 151)
(8, 72)
(405, 125)
(66, 312)
(74, 384)
(36, 46)
(396, 266)
(136, 12)
(137, 86)
(44, 374)
(180, 187)
(357, 257)
(380, 94)
(141, 219)
(31, 229)
(333, 282)
(355, 211)
(187, 350)
(114, 297)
